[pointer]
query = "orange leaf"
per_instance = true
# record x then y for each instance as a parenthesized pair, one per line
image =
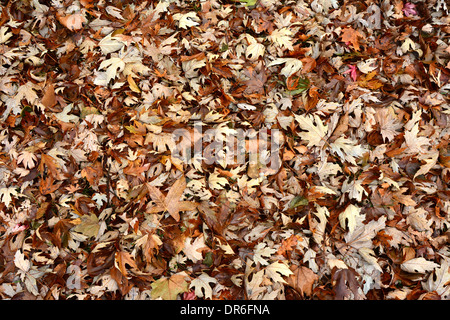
(302, 280)
(123, 258)
(46, 186)
(171, 203)
(49, 98)
(350, 35)
(93, 173)
(51, 165)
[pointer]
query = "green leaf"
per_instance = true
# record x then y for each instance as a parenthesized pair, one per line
(208, 259)
(89, 225)
(249, 3)
(298, 201)
(169, 288)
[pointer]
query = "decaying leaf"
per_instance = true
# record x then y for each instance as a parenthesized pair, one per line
(302, 279)
(88, 226)
(169, 288)
(170, 203)
(224, 150)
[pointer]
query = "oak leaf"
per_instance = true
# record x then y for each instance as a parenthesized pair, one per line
(346, 285)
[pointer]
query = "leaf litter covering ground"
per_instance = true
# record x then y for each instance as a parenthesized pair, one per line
(94, 205)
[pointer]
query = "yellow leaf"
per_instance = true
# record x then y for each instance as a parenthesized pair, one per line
(169, 288)
(133, 85)
(89, 225)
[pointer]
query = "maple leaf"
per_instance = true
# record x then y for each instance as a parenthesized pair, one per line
(414, 143)
(170, 203)
(369, 255)
(389, 124)
(28, 159)
(347, 149)
(350, 35)
(73, 22)
(254, 288)
(254, 49)
(113, 66)
(349, 217)
(65, 116)
(4, 36)
(256, 82)
(193, 251)
(276, 269)
(362, 235)
(316, 130)
(429, 163)
(288, 244)
(20, 261)
(418, 265)
(291, 65)
(282, 38)
(92, 173)
(122, 258)
(367, 66)
(216, 182)
(110, 44)
(187, 20)
(13, 103)
(409, 9)
(261, 250)
(170, 288)
(202, 286)
(46, 186)
(50, 163)
(318, 227)
(352, 71)
(440, 281)
(88, 226)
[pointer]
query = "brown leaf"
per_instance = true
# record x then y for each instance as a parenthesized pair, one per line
(46, 185)
(169, 288)
(215, 218)
(49, 98)
(346, 285)
(121, 280)
(93, 173)
(309, 64)
(51, 165)
(100, 260)
(341, 128)
(123, 258)
(350, 35)
(302, 280)
(170, 203)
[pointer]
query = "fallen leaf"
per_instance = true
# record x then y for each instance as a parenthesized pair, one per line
(169, 288)
(170, 203)
(89, 225)
(350, 35)
(302, 279)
